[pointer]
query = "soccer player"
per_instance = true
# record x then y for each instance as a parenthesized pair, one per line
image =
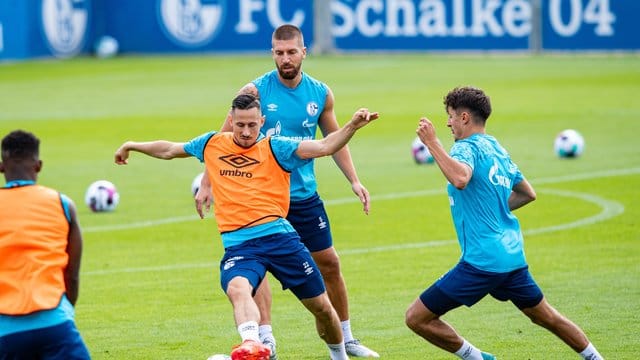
(251, 174)
(294, 105)
(485, 186)
(40, 251)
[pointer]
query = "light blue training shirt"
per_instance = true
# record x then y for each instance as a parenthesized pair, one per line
(293, 113)
(489, 234)
(284, 150)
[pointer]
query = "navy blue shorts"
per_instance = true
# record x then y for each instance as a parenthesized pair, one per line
(466, 285)
(58, 342)
(310, 220)
(283, 255)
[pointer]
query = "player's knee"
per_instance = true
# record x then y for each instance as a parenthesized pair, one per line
(329, 267)
(411, 319)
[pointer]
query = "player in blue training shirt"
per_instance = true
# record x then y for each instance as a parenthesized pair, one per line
(484, 187)
(295, 105)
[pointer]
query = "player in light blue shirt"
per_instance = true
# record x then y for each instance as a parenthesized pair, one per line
(295, 105)
(484, 187)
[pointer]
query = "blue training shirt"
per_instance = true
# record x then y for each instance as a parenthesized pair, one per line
(293, 113)
(489, 234)
(284, 149)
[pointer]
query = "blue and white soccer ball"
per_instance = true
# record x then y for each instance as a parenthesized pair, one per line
(102, 196)
(106, 47)
(568, 144)
(195, 184)
(420, 152)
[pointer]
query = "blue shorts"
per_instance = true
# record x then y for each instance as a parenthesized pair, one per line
(466, 285)
(58, 342)
(283, 255)
(310, 220)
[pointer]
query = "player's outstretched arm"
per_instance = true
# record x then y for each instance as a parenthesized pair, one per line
(160, 149)
(336, 140)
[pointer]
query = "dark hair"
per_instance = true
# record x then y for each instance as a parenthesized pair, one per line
(245, 102)
(470, 98)
(20, 144)
(288, 32)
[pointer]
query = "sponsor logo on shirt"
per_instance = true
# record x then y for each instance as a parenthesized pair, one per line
(497, 179)
(238, 162)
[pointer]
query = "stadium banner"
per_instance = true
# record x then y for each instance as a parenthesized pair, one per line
(66, 28)
(590, 25)
(44, 28)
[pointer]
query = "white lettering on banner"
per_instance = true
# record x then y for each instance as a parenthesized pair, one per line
(394, 10)
(275, 18)
(437, 18)
(483, 17)
(595, 12)
(246, 24)
(402, 18)
(516, 18)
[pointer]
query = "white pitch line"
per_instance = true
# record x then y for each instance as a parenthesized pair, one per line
(353, 199)
(609, 209)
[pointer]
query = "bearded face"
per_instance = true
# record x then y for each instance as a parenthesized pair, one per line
(288, 56)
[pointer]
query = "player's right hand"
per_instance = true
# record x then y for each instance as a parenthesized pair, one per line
(121, 155)
(203, 197)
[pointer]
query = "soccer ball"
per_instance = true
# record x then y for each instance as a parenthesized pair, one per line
(102, 196)
(106, 47)
(420, 152)
(568, 144)
(195, 184)
(219, 357)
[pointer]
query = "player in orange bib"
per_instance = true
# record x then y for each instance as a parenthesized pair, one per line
(40, 251)
(251, 174)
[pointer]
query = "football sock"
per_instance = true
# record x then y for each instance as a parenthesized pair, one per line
(469, 352)
(337, 351)
(590, 353)
(266, 332)
(249, 331)
(346, 330)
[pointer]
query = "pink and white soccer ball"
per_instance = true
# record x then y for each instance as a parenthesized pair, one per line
(568, 144)
(420, 152)
(102, 196)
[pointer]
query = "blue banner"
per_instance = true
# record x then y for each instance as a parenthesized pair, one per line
(66, 28)
(591, 25)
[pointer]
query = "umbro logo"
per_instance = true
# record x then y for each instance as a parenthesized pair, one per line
(272, 107)
(238, 161)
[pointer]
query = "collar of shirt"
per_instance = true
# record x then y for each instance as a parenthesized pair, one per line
(18, 183)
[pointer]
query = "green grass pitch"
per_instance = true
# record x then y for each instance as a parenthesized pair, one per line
(150, 284)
